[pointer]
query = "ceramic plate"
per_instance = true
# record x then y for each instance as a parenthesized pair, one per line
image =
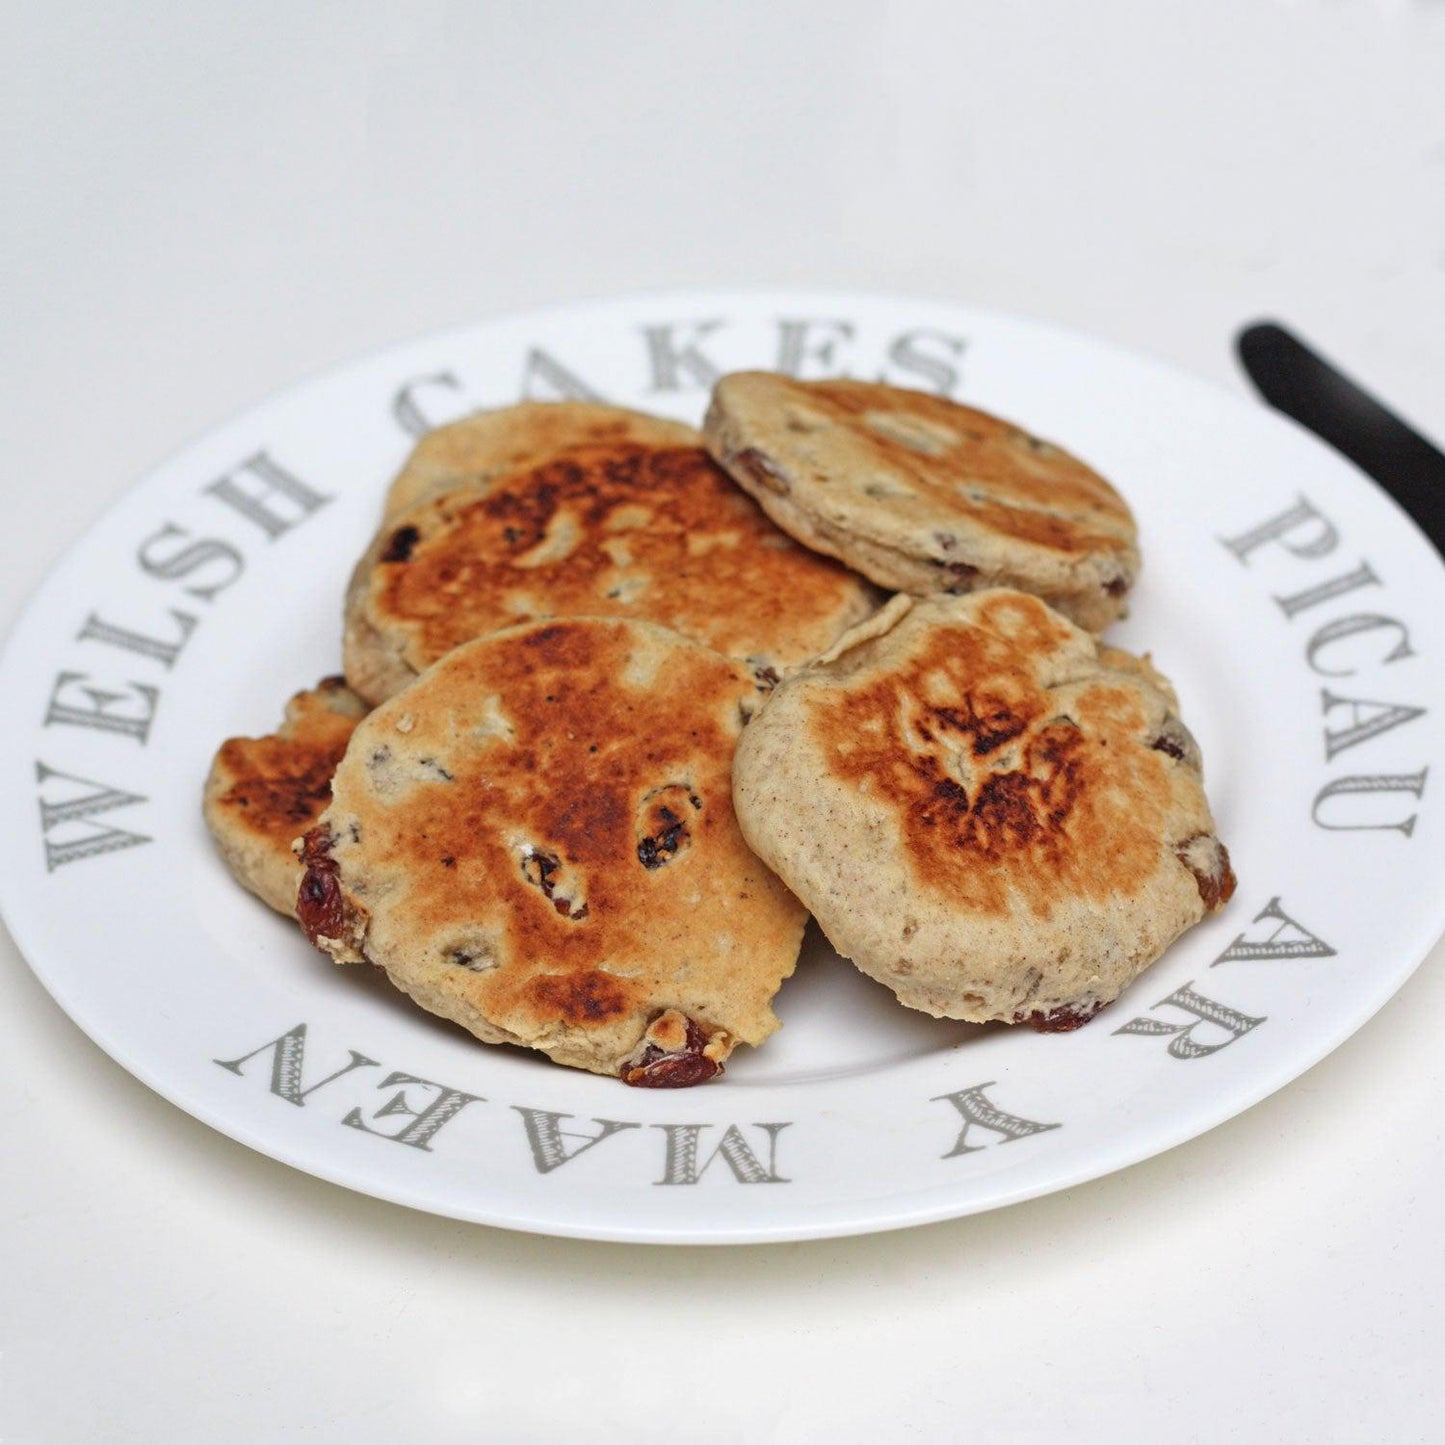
(1300, 614)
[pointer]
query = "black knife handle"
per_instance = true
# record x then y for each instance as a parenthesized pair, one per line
(1303, 385)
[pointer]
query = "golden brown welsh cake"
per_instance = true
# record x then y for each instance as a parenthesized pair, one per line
(923, 494)
(984, 808)
(487, 443)
(264, 793)
(616, 529)
(536, 839)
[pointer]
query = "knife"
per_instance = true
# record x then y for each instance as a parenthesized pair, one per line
(1303, 385)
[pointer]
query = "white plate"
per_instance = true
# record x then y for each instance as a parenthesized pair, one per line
(1300, 614)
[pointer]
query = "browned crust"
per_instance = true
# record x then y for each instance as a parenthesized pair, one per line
(619, 530)
(537, 839)
(923, 494)
(1005, 792)
(489, 443)
(263, 793)
(986, 810)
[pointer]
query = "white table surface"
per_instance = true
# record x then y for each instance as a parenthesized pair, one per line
(206, 204)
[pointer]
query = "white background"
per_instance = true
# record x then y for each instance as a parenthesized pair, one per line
(207, 203)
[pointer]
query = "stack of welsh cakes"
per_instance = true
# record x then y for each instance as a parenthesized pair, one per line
(624, 703)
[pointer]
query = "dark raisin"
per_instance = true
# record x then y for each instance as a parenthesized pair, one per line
(1058, 1020)
(960, 575)
(662, 830)
(760, 469)
(656, 1069)
(1216, 885)
(662, 848)
(671, 1071)
(399, 548)
(540, 869)
(320, 906)
(474, 960)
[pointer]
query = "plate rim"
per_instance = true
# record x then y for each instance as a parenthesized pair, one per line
(1264, 1082)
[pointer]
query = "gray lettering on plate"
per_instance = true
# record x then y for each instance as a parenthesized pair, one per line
(907, 353)
(1368, 786)
(425, 1122)
(78, 808)
(556, 382)
(177, 562)
(407, 410)
(1352, 626)
(1367, 720)
(1317, 535)
(674, 360)
(548, 1139)
(258, 504)
(288, 1060)
(98, 630)
(100, 711)
(682, 1167)
(980, 1112)
(1287, 939)
(1362, 576)
(797, 346)
(1206, 1011)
